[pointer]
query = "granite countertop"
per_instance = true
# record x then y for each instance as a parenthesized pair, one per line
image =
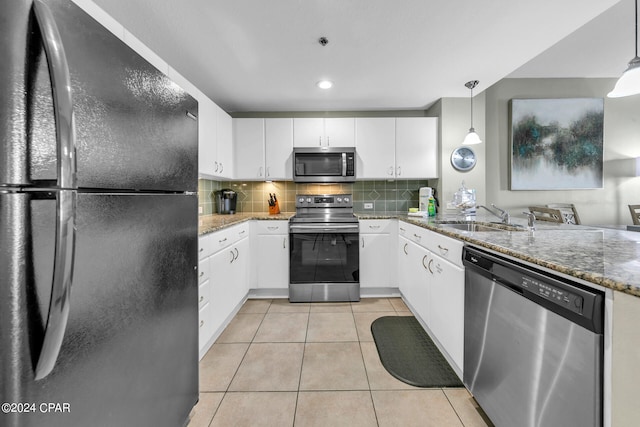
(210, 223)
(604, 256)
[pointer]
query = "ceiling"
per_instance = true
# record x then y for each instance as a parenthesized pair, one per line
(256, 55)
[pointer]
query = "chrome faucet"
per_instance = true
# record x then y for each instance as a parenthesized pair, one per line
(531, 223)
(503, 215)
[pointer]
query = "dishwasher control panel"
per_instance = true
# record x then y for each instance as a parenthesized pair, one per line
(556, 294)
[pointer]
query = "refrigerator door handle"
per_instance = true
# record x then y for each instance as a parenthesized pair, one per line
(62, 97)
(66, 197)
(63, 262)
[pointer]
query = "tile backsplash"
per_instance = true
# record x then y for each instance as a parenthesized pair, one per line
(386, 196)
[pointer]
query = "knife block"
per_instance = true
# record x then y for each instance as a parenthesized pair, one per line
(275, 209)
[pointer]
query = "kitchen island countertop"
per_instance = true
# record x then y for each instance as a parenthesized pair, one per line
(603, 256)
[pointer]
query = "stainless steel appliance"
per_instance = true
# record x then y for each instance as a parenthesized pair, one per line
(533, 344)
(324, 252)
(226, 201)
(98, 228)
(324, 164)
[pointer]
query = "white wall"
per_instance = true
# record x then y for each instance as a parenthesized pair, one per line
(455, 121)
(621, 146)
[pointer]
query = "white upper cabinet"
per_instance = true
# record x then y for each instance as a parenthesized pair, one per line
(375, 147)
(278, 145)
(207, 146)
(224, 143)
(416, 147)
(248, 138)
(319, 132)
(397, 148)
(262, 148)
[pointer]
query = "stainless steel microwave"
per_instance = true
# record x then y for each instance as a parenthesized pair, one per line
(324, 164)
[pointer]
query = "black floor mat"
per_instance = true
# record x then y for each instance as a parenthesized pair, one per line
(407, 352)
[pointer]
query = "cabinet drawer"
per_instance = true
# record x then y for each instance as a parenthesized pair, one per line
(446, 247)
(203, 270)
(271, 227)
(376, 226)
(227, 237)
(205, 245)
(413, 232)
(204, 293)
(204, 318)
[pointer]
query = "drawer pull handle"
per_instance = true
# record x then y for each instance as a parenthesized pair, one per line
(222, 241)
(405, 249)
(417, 236)
(201, 298)
(201, 249)
(201, 323)
(201, 273)
(374, 227)
(443, 249)
(271, 228)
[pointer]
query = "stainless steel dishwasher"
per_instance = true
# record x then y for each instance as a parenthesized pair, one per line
(533, 344)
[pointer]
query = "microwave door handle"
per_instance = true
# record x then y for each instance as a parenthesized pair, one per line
(344, 164)
(66, 198)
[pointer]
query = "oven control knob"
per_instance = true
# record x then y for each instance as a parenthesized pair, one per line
(346, 200)
(339, 199)
(309, 199)
(301, 200)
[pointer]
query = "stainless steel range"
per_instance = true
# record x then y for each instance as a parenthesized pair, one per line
(324, 252)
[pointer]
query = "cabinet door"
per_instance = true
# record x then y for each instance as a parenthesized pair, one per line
(308, 132)
(404, 265)
(239, 285)
(375, 147)
(222, 300)
(421, 282)
(413, 276)
(416, 147)
(447, 307)
(207, 138)
(376, 253)
(224, 128)
(339, 132)
(273, 261)
(278, 148)
(249, 137)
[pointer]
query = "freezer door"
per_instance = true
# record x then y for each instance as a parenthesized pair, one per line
(134, 128)
(129, 355)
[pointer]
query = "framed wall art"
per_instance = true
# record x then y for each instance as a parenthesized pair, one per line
(556, 144)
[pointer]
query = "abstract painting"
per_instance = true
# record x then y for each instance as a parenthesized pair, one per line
(556, 144)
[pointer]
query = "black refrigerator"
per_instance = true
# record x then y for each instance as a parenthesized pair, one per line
(98, 227)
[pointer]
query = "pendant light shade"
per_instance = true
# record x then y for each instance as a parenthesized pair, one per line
(629, 83)
(472, 137)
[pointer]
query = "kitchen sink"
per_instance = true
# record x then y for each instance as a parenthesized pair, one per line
(478, 227)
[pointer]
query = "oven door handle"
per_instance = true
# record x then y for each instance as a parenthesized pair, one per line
(308, 228)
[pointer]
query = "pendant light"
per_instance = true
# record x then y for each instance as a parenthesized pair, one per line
(472, 137)
(629, 83)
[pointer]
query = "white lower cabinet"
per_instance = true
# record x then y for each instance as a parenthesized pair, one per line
(270, 266)
(378, 239)
(431, 279)
(223, 277)
(413, 277)
(446, 318)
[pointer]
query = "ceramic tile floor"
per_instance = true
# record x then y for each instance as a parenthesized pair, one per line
(281, 364)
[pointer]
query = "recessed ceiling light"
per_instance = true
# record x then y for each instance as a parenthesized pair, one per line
(324, 84)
